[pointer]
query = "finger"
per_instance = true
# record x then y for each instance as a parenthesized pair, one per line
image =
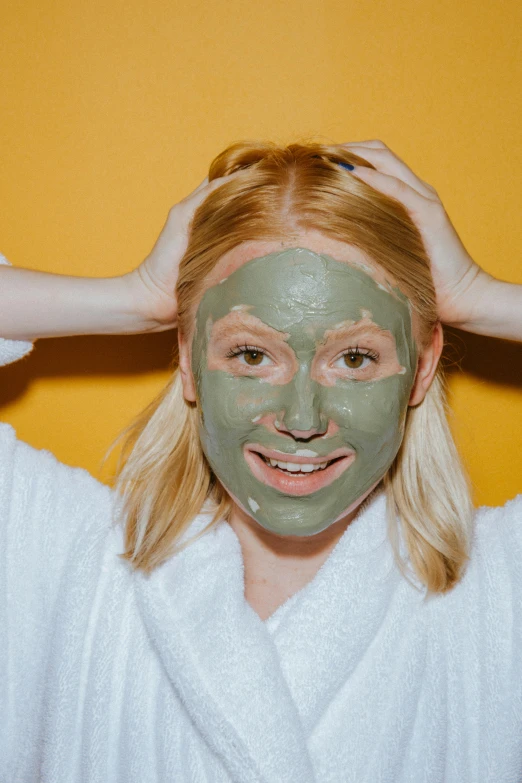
(387, 162)
(204, 189)
(415, 202)
(201, 185)
(377, 144)
(218, 181)
(372, 143)
(215, 183)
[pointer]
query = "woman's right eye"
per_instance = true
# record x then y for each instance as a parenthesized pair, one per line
(249, 355)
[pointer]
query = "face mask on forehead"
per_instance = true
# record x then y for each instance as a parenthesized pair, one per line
(303, 366)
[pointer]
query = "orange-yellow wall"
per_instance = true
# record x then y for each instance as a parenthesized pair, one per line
(111, 112)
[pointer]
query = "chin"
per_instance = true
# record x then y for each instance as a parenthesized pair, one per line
(291, 531)
(296, 528)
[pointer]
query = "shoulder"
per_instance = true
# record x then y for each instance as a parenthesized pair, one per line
(509, 510)
(492, 578)
(45, 507)
(482, 615)
(500, 526)
(29, 476)
(496, 552)
(55, 525)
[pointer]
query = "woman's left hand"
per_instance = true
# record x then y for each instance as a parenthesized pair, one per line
(457, 278)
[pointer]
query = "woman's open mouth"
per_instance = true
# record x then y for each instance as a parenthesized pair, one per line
(296, 474)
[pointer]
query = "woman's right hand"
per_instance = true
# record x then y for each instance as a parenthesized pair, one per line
(37, 304)
(153, 282)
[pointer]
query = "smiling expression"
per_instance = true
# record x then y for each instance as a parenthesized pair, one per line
(303, 368)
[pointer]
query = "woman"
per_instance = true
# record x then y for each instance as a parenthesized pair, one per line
(296, 588)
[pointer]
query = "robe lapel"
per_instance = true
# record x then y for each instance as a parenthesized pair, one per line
(339, 614)
(222, 661)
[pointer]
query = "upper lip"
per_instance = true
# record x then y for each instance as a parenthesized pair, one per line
(283, 456)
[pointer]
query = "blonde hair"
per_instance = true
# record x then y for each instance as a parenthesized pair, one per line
(163, 478)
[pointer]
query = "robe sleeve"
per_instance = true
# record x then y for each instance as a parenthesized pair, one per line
(12, 350)
(43, 504)
(498, 553)
(45, 507)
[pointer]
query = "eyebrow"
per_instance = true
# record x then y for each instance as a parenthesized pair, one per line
(229, 324)
(359, 327)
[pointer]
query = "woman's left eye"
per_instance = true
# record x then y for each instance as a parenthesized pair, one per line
(253, 358)
(354, 360)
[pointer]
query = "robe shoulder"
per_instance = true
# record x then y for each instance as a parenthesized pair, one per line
(498, 537)
(497, 554)
(46, 507)
(483, 613)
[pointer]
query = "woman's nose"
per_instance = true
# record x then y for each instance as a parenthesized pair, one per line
(301, 413)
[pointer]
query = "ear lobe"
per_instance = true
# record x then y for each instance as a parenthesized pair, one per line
(185, 368)
(427, 366)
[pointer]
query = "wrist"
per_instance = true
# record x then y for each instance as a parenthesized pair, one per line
(152, 309)
(495, 308)
(479, 298)
(464, 307)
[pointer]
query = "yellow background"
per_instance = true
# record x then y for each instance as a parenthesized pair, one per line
(111, 112)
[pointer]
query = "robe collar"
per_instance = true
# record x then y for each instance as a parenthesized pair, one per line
(256, 690)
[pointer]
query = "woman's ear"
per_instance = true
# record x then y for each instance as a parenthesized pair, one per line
(427, 366)
(185, 368)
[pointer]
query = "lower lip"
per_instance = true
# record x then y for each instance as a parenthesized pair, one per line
(292, 484)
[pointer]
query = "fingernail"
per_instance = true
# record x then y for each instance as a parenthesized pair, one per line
(347, 166)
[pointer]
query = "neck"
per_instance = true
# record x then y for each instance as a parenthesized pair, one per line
(278, 566)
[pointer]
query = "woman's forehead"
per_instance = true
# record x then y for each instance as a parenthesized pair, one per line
(297, 286)
(310, 240)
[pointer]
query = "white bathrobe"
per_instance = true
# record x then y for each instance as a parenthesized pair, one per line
(110, 676)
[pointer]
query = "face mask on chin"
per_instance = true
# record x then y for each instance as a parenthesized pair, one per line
(304, 367)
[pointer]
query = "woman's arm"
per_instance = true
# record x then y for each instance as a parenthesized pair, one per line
(467, 297)
(39, 304)
(495, 308)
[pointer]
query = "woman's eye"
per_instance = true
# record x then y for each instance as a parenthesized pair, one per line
(253, 358)
(250, 355)
(354, 360)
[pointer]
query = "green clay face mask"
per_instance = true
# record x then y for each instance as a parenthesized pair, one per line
(304, 367)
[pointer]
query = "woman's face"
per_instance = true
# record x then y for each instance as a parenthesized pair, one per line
(303, 362)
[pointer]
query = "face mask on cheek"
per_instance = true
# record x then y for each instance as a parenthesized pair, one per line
(340, 430)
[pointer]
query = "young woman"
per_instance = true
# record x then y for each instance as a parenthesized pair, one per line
(289, 582)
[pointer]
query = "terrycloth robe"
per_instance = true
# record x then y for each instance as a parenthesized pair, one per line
(110, 676)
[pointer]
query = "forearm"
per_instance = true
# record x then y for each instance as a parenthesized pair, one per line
(496, 309)
(38, 304)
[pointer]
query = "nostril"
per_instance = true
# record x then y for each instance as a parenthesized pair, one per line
(300, 434)
(303, 434)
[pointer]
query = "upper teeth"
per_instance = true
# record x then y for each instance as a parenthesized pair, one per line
(293, 467)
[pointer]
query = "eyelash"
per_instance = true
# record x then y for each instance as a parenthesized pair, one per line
(357, 352)
(239, 349)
